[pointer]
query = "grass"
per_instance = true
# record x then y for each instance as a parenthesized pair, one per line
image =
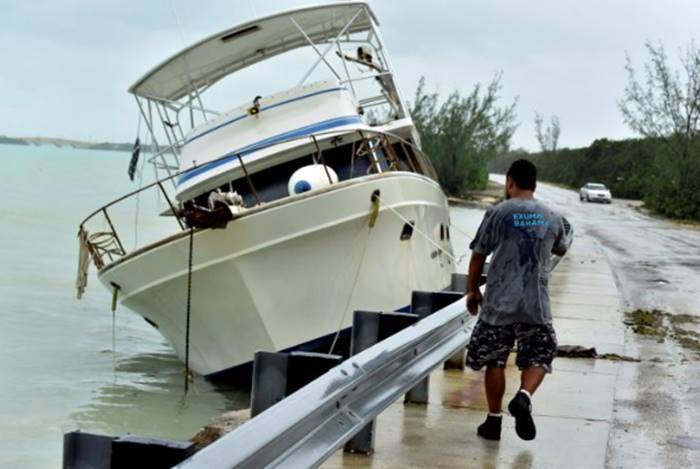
(661, 325)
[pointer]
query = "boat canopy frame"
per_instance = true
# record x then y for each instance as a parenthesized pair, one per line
(217, 56)
(323, 28)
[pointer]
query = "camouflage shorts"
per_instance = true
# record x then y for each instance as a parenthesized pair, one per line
(490, 345)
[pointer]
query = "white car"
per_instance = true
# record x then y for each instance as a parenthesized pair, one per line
(594, 192)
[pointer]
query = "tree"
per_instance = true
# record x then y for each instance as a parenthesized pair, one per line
(549, 137)
(462, 133)
(665, 106)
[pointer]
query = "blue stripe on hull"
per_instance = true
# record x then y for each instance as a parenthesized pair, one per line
(289, 135)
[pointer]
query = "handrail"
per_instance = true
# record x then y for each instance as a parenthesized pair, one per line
(97, 251)
(257, 148)
(170, 177)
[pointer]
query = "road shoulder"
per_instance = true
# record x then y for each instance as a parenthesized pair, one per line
(573, 408)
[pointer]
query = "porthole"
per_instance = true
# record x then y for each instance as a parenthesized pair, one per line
(407, 230)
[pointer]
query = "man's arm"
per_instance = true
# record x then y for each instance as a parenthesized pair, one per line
(482, 245)
(476, 268)
(558, 250)
(560, 244)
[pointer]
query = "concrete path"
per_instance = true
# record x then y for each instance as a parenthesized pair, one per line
(656, 263)
(573, 409)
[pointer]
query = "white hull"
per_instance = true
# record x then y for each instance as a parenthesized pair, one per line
(283, 275)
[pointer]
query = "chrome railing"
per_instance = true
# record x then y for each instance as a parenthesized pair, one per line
(111, 244)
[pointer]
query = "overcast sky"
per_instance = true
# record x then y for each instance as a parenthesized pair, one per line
(65, 66)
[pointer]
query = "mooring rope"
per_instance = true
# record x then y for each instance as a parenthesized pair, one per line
(188, 374)
(352, 290)
(374, 214)
(468, 235)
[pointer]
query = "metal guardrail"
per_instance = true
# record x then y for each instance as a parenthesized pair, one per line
(307, 427)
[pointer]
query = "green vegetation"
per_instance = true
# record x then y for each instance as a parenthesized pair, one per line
(643, 169)
(665, 109)
(463, 133)
(11, 141)
(547, 137)
(661, 325)
(663, 166)
(626, 166)
(649, 323)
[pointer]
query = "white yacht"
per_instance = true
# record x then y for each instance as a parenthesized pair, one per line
(289, 211)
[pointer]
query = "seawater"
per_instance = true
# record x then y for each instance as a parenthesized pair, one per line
(58, 369)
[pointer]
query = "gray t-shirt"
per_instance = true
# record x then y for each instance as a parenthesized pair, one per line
(521, 234)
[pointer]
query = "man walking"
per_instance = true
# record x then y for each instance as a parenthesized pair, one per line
(522, 233)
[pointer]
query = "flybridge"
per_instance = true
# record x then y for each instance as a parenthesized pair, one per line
(201, 65)
(342, 38)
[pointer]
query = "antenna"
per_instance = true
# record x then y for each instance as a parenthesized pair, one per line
(184, 55)
(252, 7)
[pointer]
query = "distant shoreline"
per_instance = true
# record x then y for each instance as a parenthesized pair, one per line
(62, 142)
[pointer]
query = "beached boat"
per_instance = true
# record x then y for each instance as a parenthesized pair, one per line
(289, 211)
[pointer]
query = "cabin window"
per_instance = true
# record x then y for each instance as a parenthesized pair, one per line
(271, 184)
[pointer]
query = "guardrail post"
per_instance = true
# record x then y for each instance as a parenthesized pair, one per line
(423, 304)
(87, 451)
(277, 375)
(368, 328)
(459, 283)
(457, 361)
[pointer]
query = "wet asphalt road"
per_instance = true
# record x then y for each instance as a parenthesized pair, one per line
(657, 266)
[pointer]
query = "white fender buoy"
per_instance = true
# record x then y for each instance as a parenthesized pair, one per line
(311, 177)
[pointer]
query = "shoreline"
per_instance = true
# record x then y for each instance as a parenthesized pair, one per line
(479, 198)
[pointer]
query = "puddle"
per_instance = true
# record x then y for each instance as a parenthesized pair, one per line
(686, 441)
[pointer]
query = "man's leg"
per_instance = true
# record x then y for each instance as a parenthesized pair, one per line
(490, 346)
(537, 346)
(520, 407)
(495, 384)
(531, 378)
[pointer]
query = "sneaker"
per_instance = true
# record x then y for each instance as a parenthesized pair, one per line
(491, 428)
(521, 408)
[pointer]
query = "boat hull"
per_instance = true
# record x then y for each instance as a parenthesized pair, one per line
(290, 273)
